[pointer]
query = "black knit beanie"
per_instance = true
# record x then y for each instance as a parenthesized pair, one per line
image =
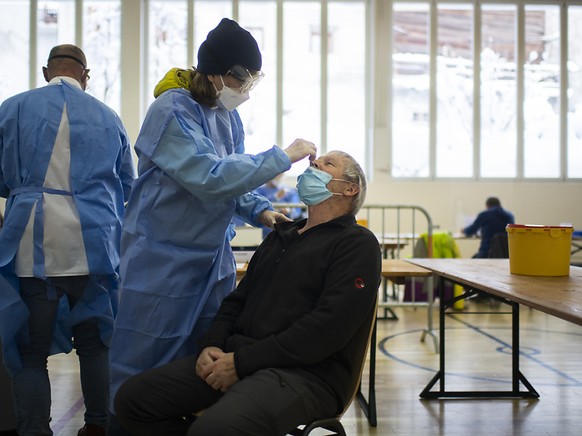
(228, 45)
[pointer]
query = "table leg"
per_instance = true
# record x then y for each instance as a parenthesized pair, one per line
(517, 376)
(429, 324)
(369, 406)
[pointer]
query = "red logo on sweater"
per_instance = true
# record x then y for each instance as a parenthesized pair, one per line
(359, 283)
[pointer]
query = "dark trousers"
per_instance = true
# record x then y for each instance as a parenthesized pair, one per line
(270, 402)
(7, 408)
(32, 390)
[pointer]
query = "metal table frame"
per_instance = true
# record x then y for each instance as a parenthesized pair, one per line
(516, 376)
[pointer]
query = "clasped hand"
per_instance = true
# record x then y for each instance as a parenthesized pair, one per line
(216, 368)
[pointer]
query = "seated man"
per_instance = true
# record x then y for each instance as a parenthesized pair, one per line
(490, 222)
(285, 345)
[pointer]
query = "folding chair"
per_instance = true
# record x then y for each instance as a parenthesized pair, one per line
(333, 423)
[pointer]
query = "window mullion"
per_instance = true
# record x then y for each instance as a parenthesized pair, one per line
(190, 57)
(279, 72)
(79, 23)
(33, 44)
(564, 83)
(477, 90)
(323, 80)
(520, 89)
(433, 88)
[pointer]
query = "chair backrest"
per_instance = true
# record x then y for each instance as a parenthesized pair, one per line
(357, 376)
(333, 423)
(499, 248)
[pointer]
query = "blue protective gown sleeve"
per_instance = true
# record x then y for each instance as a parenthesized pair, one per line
(189, 158)
(127, 170)
(249, 207)
(4, 192)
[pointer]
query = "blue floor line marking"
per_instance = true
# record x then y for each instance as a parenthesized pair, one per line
(521, 354)
(382, 348)
(70, 414)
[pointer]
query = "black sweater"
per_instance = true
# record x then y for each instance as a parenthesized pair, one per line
(306, 301)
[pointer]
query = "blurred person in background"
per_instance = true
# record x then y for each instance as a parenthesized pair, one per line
(489, 223)
(276, 192)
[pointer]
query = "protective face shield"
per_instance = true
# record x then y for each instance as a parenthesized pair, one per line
(229, 98)
(312, 186)
(243, 75)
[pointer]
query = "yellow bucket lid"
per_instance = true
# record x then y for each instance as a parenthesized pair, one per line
(554, 231)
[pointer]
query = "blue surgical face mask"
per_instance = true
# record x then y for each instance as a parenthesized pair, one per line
(312, 186)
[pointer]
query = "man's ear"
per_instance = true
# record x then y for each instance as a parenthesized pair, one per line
(351, 190)
(85, 79)
(45, 73)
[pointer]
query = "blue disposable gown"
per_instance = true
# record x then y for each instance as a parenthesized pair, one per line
(176, 260)
(101, 167)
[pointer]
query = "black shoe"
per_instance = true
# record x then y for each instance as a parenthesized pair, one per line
(92, 430)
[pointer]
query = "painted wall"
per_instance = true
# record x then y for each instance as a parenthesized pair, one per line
(550, 203)
(451, 203)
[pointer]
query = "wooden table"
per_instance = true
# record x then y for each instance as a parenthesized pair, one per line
(391, 247)
(397, 270)
(557, 296)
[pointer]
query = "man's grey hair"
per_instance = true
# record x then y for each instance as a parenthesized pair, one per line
(353, 172)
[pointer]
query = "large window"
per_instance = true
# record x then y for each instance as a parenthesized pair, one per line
(314, 85)
(259, 114)
(167, 42)
(14, 36)
(55, 25)
(346, 78)
(498, 93)
(98, 33)
(102, 46)
(454, 151)
(542, 91)
(574, 167)
(302, 71)
(480, 94)
(424, 89)
(207, 15)
(410, 90)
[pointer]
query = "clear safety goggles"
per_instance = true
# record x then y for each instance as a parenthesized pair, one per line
(248, 80)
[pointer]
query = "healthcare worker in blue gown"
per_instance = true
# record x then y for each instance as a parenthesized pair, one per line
(176, 261)
(66, 170)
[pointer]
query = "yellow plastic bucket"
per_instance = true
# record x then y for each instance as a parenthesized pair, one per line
(539, 250)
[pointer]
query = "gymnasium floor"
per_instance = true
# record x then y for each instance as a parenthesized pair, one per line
(478, 357)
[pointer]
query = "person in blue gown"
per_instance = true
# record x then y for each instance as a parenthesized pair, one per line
(276, 192)
(66, 169)
(194, 177)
